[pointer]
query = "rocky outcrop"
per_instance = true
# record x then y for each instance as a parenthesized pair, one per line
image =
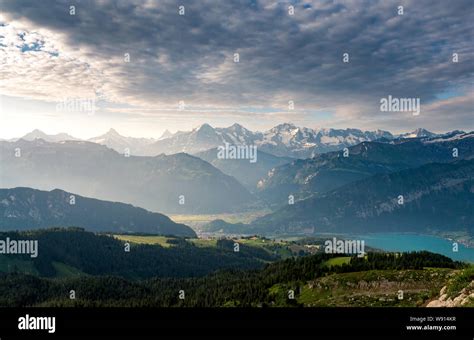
(465, 295)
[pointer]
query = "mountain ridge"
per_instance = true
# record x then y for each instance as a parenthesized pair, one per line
(24, 208)
(283, 140)
(303, 178)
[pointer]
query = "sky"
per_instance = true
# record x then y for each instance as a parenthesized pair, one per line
(145, 66)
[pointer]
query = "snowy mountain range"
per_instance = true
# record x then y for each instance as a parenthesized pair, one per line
(284, 140)
(290, 140)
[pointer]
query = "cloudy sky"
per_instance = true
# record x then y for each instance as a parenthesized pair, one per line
(143, 68)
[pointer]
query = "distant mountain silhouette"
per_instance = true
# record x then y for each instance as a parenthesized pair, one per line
(38, 134)
(177, 183)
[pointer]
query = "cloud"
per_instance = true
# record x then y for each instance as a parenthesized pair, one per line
(282, 57)
(33, 68)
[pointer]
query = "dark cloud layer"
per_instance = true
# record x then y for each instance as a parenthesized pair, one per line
(282, 57)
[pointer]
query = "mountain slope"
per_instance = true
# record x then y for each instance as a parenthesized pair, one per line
(177, 183)
(25, 208)
(303, 178)
(435, 196)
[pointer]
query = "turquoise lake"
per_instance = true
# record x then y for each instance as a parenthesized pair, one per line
(412, 242)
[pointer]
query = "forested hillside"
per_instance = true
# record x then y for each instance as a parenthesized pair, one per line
(269, 286)
(73, 252)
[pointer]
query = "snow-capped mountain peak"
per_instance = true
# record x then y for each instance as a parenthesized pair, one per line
(112, 132)
(418, 133)
(205, 128)
(112, 139)
(166, 134)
